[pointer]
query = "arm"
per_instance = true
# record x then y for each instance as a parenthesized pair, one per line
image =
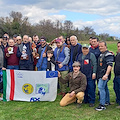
(109, 62)
(94, 65)
(63, 80)
(67, 56)
(18, 53)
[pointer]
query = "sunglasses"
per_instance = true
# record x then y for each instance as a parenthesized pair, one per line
(42, 40)
(18, 39)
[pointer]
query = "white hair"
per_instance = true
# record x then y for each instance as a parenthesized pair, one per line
(74, 37)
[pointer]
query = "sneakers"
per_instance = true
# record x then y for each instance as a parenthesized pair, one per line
(106, 104)
(118, 107)
(100, 108)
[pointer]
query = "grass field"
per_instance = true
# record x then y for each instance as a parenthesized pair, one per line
(15, 110)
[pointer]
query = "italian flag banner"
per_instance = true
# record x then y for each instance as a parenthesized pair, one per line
(21, 85)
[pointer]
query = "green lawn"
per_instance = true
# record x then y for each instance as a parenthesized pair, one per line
(15, 110)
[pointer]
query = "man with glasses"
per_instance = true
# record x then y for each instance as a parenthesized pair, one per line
(18, 41)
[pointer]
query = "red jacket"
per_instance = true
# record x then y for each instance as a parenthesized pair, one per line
(13, 59)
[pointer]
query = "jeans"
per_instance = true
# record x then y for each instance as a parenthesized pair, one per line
(90, 91)
(116, 88)
(104, 91)
(15, 67)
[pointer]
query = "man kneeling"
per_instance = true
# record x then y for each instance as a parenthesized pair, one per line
(77, 84)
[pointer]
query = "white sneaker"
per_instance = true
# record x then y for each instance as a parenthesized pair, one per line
(1, 99)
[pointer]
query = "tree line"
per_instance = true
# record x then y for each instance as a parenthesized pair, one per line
(17, 24)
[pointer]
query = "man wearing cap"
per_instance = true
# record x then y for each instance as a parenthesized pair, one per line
(88, 67)
(77, 83)
(42, 51)
(75, 50)
(62, 55)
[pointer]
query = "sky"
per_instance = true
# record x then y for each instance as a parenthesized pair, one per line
(102, 15)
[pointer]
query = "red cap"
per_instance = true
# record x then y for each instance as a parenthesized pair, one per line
(58, 40)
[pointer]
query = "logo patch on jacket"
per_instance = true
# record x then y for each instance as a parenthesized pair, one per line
(86, 61)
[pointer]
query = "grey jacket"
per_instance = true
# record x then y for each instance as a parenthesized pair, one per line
(1, 57)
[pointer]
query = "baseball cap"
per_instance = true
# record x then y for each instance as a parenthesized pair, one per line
(76, 64)
(58, 40)
(85, 46)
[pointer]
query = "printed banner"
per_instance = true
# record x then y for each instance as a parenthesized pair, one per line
(29, 86)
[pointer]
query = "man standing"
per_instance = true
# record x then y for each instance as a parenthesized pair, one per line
(104, 67)
(11, 55)
(116, 80)
(95, 50)
(24, 53)
(88, 67)
(75, 50)
(77, 83)
(62, 56)
(42, 51)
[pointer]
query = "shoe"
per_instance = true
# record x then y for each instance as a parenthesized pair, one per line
(106, 104)
(79, 105)
(100, 108)
(91, 105)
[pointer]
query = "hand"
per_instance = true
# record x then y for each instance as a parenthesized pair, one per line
(72, 93)
(3, 68)
(48, 59)
(23, 52)
(105, 77)
(60, 65)
(59, 75)
(44, 54)
(33, 53)
(93, 76)
(7, 54)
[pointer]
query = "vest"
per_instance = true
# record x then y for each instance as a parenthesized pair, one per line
(86, 67)
(59, 58)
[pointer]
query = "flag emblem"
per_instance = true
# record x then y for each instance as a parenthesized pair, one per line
(27, 88)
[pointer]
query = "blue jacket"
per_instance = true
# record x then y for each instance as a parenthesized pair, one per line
(59, 58)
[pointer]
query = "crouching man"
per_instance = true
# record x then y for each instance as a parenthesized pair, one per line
(77, 84)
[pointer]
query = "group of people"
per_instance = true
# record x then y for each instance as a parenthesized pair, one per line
(79, 66)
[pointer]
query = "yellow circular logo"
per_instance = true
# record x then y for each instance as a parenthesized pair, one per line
(27, 88)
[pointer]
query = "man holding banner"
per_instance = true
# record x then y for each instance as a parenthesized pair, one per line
(77, 83)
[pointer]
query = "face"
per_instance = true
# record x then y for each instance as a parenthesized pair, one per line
(73, 41)
(102, 47)
(59, 44)
(49, 55)
(4, 40)
(25, 39)
(19, 40)
(15, 39)
(62, 39)
(11, 43)
(94, 42)
(90, 41)
(85, 51)
(42, 41)
(35, 39)
(118, 46)
(30, 39)
(1, 41)
(76, 69)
